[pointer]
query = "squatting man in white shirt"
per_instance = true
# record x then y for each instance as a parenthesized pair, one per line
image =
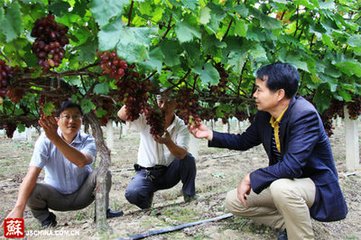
(163, 161)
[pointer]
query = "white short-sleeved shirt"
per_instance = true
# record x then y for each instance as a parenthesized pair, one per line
(60, 173)
(152, 153)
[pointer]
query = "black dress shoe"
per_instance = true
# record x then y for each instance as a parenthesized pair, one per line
(282, 235)
(50, 221)
(113, 214)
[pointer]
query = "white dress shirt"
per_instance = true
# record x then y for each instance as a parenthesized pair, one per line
(152, 153)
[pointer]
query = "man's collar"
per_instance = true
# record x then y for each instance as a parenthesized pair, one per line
(274, 121)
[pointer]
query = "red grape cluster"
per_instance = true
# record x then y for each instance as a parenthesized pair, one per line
(15, 94)
(136, 100)
(50, 41)
(6, 73)
(108, 105)
(207, 114)
(155, 119)
(188, 108)
(10, 128)
(354, 108)
(335, 109)
(133, 92)
(41, 105)
(241, 115)
(220, 88)
(112, 65)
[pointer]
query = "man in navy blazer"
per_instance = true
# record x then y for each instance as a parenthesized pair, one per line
(301, 180)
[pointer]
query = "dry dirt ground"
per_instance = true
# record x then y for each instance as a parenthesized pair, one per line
(219, 170)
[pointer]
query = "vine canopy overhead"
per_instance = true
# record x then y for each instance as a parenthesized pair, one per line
(97, 52)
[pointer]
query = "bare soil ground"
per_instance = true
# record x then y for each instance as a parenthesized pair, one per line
(219, 170)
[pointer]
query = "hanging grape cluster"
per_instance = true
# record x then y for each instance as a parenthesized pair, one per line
(10, 128)
(354, 108)
(112, 65)
(335, 109)
(41, 105)
(108, 105)
(155, 119)
(133, 92)
(6, 73)
(188, 109)
(50, 41)
(15, 94)
(207, 114)
(220, 89)
(132, 89)
(241, 115)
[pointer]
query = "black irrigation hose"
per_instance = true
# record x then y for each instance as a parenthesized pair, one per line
(175, 228)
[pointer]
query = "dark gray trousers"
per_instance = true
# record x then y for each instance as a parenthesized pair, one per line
(45, 197)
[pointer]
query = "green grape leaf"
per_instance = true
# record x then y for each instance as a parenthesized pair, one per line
(155, 60)
(350, 67)
(103, 11)
(59, 8)
(208, 74)
(101, 88)
(205, 15)
(355, 42)
(100, 112)
(87, 105)
(11, 23)
(186, 32)
(48, 108)
(171, 50)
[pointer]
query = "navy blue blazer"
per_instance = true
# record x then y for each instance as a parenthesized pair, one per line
(305, 151)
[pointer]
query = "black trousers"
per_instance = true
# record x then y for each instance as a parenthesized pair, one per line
(141, 188)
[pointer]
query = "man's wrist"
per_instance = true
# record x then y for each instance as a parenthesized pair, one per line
(210, 135)
(247, 179)
(20, 207)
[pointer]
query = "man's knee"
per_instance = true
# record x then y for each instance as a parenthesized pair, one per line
(232, 203)
(190, 158)
(282, 190)
(188, 162)
(36, 196)
(134, 196)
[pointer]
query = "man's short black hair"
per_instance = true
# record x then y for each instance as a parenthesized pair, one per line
(68, 104)
(280, 76)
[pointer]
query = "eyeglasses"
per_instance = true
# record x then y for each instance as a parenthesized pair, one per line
(68, 117)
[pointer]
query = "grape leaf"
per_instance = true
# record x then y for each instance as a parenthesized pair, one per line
(101, 88)
(185, 31)
(11, 23)
(208, 74)
(103, 11)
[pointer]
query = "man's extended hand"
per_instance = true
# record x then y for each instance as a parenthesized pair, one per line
(201, 131)
(244, 189)
(50, 126)
(164, 139)
(16, 213)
